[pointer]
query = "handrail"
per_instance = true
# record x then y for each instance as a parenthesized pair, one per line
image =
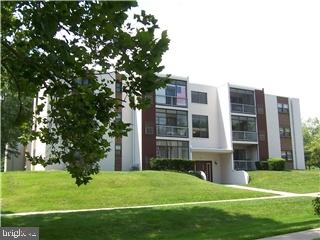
(244, 136)
(172, 100)
(244, 165)
(243, 108)
(172, 131)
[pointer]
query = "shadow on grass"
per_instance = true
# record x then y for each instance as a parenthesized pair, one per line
(160, 223)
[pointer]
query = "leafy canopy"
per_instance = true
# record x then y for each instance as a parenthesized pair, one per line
(49, 46)
(311, 137)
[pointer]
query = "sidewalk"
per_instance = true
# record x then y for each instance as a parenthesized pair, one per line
(281, 193)
(142, 206)
(304, 235)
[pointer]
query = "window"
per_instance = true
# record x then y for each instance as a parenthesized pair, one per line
(262, 136)
(174, 94)
(285, 132)
(118, 149)
(82, 82)
(118, 118)
(286, 155)
(200, 126)
(283, 107)
(240, 154)
(242, 101)
(118, 87)
(241, 96)
(172, 149)
(199, 97)
(245, 124)
(148, 129)
(171, 123)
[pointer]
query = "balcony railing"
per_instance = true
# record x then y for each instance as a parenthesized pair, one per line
(171, 101)
(242, 108)
(244, 136)
(172, 131)
(247, 165)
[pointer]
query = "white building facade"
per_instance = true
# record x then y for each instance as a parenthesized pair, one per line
(225, 130)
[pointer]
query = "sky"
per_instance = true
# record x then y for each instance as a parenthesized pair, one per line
(267, 44)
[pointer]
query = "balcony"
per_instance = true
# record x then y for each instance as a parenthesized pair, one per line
(244, 136)
(172, 131)
(171, 101)
(243, 108)
(246, 165)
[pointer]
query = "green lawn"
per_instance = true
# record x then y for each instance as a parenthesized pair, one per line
(233, 220)
(296, 181)
(55, 190)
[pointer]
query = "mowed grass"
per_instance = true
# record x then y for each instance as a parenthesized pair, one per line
(233, 220)
(56, 190)
(296, 181)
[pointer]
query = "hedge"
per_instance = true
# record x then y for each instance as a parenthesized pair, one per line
(316, 206)
(262, 165)
(172, 164)
(277, 164)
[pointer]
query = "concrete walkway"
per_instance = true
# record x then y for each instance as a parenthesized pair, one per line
(278, 194)
(137, 207)
(304, 235)
(281, 193)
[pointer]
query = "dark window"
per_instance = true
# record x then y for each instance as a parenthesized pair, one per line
(239, 154)
(82, 82)
(174, 94)
(262, 136)
(118, 87)
(199, 97)
(118, 149)
(148, 129)
(242, 101)
(172, 149)
(287, 155)
(241, 96)
(285, 132)
(200, 126)
(119, 116)
(171, 123)
(245, 124)
(283, 107)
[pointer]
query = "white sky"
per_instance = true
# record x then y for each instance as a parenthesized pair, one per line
(267, 44)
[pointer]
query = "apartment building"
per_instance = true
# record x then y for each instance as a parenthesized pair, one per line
(224, 129)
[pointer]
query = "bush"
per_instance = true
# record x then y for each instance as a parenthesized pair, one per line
(262, 165)
(172, 164)
(316, 205)
(277, 164)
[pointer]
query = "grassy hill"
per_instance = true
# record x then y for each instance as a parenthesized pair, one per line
(297, 181)
(55, 190)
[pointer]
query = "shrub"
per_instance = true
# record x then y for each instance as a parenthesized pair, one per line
(172, 164)
(316, 205)
(262, 165)
(277, 164)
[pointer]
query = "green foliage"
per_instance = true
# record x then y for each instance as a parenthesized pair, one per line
(316, 205)
(171, 164)
(262, 165)
(277, 164)
(50, 45)
(16, 112)
(311, 137)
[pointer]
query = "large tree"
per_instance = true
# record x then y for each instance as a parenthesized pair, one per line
(311, 137)
(51, 45)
